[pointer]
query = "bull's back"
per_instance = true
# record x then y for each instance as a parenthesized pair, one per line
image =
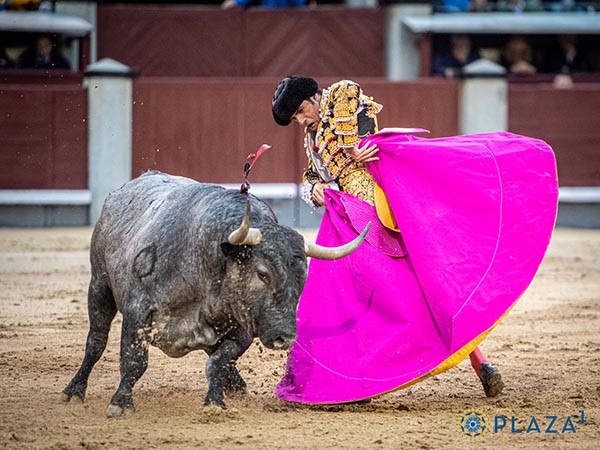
(145, 197)
(140, 211)
(169, 211)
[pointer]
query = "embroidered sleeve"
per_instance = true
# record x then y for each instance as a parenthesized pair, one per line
(345, 101)
(353, 114)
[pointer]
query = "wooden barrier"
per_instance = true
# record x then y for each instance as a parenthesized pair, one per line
(568, 119)
(43, 132)
(201, 41)
(205, 128)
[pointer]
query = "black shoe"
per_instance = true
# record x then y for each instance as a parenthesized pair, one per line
(490, 379)
(364, 401)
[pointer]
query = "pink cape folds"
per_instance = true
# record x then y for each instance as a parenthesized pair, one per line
(475, 214)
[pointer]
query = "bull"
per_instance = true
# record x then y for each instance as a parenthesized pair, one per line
(191, 266)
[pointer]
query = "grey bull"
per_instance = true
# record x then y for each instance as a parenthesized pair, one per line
(191, 266)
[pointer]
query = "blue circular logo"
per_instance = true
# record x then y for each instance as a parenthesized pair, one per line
(472, 424)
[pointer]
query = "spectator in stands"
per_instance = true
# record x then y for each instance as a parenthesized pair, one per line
(480, 6)
(5, 61)
(451, 6)
(566, 59)
(22, 5)
(461, 53)
(44, 55)
(517, 56)
(518, 6)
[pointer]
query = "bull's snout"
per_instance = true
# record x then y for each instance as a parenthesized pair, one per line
(282, 342)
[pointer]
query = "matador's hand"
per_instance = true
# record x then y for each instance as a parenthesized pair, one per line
(364, 154)
(318, 195)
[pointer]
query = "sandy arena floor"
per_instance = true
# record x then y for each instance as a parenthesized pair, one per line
(548, 350)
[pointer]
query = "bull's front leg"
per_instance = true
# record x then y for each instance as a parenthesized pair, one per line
(221, 372)
(233, 383)
(134, 358)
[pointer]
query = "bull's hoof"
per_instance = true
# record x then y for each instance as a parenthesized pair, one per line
(214, 404)
(213, 409)
(66, 398)
(116, 411)
(63, 398)
(215, 414)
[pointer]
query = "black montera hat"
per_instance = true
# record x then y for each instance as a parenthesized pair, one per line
(289, 95)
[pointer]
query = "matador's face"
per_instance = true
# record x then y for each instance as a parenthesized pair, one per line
(307, 114)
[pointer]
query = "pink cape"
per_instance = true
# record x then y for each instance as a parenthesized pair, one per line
(476, 214)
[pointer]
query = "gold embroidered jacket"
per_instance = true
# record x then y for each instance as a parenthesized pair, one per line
(347, 115)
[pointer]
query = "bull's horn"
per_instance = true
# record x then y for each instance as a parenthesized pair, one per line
(245, 234)
(320, 252)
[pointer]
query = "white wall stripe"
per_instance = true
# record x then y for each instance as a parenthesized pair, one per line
(277, 191)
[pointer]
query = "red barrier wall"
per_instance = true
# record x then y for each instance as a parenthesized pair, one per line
(43, 133)
(568, 119)
(205, 128)
(200, 41)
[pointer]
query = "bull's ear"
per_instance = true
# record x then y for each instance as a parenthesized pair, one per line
(239, 253)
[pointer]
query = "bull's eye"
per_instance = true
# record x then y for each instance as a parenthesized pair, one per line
(264, 276)
(299, 260)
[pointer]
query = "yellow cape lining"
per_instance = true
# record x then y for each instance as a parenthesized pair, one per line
(384, 211)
